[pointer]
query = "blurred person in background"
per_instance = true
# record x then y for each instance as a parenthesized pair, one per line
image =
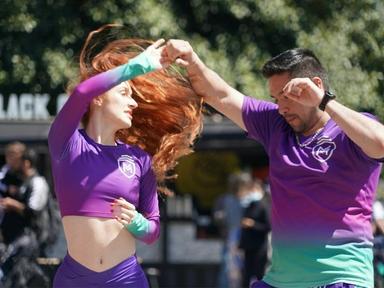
(139, 116)
(10, 172)
(10, 182)
(255, 228)
(24, 201)
(228, 211)
(325, 162)
(41, 201)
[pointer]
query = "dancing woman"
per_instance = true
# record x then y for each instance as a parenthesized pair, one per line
(139, 116)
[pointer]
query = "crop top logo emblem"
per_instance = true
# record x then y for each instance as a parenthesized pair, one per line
(127, 165)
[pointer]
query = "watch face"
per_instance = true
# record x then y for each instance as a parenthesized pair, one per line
(330, 95)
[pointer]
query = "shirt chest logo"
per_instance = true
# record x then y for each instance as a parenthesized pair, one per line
(127, 165)
(323, 149)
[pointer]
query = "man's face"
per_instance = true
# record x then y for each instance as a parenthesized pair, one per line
(13, 158)
(301, 118)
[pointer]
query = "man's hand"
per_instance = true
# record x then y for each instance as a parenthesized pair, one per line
(304, 91)
(180, 52)
(202, 79)
(205, 82)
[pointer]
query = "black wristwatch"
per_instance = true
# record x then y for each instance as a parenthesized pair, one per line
(328, 96)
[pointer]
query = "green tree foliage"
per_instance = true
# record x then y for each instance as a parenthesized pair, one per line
(40, 39)
(346, 35)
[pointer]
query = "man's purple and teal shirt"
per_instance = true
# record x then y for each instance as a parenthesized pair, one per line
(322, 197)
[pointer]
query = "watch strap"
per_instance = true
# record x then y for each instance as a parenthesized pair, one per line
(328, 96)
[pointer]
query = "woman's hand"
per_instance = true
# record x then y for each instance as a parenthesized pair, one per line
(123, 211)
(155, 53)
(163, 54)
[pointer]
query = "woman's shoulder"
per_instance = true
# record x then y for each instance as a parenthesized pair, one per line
(138, 152)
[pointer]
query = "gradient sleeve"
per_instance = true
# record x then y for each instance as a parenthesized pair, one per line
(356, 150)
(149, 205)
(69, 117)
(261, 119)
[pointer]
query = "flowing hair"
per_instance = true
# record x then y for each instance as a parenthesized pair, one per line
(169, 114)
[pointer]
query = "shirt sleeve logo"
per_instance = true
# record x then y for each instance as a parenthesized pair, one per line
(127, 165)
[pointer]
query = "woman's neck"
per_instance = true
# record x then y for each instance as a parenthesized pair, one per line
(100, 133)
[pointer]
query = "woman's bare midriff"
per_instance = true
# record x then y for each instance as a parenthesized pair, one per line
(97, 243)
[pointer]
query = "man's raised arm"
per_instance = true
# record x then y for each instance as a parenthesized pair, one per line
(207, 83)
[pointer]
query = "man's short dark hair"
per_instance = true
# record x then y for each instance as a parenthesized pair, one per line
(299, 63)
(15, 147)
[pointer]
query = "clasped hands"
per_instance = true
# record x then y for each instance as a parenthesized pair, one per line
(306, 91)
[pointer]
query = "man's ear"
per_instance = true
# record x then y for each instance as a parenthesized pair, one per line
(318, 82)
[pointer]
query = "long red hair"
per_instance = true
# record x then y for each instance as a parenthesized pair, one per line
(169, 114)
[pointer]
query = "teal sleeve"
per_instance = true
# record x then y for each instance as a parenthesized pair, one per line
(137, 66)
(139, 226)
